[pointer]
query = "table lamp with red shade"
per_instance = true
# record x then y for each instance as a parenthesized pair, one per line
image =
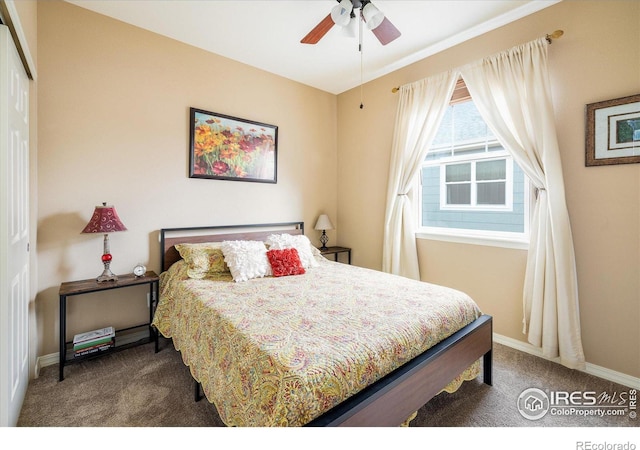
(105, 220)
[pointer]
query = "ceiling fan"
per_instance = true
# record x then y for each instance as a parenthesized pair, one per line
(343, 13)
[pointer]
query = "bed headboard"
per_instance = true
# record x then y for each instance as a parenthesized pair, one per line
(169, 237)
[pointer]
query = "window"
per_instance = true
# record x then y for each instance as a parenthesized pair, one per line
(483, 185)
(470, 185)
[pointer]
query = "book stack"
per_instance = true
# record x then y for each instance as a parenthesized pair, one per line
(94, 341)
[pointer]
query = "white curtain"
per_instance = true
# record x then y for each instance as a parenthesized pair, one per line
(420, 110)
(512, 93)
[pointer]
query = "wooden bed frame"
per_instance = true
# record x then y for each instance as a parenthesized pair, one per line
(392, 399)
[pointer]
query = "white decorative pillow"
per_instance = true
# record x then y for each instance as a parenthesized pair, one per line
(300, 242)
(246, 259)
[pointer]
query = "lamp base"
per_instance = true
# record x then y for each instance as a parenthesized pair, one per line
(323, 240)
(107, 275)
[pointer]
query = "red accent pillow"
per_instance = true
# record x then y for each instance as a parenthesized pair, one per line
(285, 262)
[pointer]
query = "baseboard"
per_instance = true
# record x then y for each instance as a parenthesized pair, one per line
(46, 360)
(591, 369)
(54, 358)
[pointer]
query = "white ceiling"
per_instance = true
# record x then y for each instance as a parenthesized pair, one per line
(267, 34)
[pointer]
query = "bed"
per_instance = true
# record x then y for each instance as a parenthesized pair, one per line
(329, 345)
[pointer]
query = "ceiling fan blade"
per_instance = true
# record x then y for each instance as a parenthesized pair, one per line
(319, 31)
(386, 32)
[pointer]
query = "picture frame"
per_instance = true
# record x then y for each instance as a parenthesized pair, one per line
(613, 131)
(223, 147)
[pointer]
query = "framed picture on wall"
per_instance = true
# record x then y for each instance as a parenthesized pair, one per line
(613, 131)
(228, 148)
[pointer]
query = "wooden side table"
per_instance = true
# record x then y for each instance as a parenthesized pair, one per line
(73, 288)
(335, 251)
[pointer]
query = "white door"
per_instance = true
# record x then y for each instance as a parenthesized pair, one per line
(14, 231)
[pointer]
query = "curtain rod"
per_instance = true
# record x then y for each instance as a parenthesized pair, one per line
(549, 37)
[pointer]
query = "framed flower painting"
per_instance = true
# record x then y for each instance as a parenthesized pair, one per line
(228, 148)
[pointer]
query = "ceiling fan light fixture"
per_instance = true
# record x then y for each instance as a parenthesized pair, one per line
(373, 17)
(341, 13)
(350, 30)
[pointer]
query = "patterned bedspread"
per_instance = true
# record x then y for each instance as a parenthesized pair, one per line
(282, 351)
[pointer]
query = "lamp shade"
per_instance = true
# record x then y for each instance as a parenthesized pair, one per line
(323, 223)
(104, 220)
(341, 13)
(372, 16)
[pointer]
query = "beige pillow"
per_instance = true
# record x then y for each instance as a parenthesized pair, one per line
(203, 259)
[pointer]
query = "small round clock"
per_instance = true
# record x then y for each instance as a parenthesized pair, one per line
(139, 270)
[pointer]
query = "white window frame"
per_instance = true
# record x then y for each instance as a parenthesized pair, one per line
(473, 159)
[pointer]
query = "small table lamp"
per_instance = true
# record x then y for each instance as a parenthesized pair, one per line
(323, 224)
(105, 220)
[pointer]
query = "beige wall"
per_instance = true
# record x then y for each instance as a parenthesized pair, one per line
(597, 59)
(113, 121)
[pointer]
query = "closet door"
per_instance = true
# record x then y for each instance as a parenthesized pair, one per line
(14, 231)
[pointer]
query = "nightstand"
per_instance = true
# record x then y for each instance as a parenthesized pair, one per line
(335, 251)
(74, 288)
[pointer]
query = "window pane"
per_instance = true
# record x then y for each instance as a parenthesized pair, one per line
(462, 131)
(458, 172)
(491, 170)
(469, 150)
(469, 125)
(491, 193)
(444, 136)
(437, 153)
(495, 146)
(458, 194)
